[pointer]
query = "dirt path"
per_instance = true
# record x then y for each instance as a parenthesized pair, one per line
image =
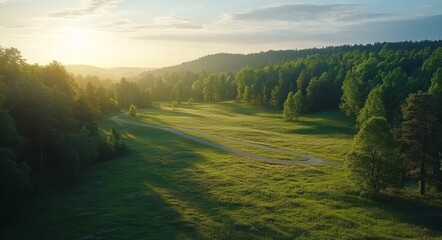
(309, 160)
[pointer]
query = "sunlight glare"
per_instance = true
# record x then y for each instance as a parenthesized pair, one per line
(77, 37)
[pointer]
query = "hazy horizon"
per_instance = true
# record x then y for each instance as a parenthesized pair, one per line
(119, 33)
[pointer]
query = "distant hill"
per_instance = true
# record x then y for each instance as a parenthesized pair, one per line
(226, 62)
(110, 73)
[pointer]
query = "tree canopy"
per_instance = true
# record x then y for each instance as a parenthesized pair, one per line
(372, 162)
(47, 126)
(420, 139)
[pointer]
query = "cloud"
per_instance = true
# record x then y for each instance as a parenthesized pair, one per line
(387, 30)
(158, 24)
(120, 22)
(116, 24)
(17, 27)
(244, 38)
(172, 21)
(306, 14)
(7, 1)
(89, 7)
(414, 29)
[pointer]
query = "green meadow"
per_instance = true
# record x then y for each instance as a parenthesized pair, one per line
(327, 135)
(172, 188)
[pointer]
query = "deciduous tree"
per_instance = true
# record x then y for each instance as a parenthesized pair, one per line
(292, 106)
(132, 110)
(372, 163)
(373, 107)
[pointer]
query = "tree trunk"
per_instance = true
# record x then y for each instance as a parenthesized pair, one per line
(423, 177)
(41, 147)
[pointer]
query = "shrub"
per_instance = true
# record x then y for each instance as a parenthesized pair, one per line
(132, 110)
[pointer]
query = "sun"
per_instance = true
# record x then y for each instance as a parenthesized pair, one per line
(74, 43)
(77, 37)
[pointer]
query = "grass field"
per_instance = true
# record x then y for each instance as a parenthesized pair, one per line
(170, 188)
(327, 135)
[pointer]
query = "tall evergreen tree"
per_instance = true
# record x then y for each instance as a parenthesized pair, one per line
(91, 97)
(418, 135)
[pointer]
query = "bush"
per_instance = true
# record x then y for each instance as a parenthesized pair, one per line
(132, 110)
(174, 105)
(110, 145)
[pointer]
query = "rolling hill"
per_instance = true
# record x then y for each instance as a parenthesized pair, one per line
(229, 62)
(110, 73)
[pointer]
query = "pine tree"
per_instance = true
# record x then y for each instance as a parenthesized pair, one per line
(419, 137)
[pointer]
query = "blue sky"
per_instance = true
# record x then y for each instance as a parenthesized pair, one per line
(149, 33)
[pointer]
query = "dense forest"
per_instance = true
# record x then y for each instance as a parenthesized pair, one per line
(49, 132)
(227, 62)
(330, 81)
(48, 125)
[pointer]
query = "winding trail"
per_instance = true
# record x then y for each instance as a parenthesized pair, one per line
(309, 160)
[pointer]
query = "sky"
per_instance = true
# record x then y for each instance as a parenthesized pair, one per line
(148, 33)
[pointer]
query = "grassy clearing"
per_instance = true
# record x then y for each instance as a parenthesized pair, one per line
(170, 188)
(326, 135)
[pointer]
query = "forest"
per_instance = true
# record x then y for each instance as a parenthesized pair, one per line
(399, 82)
(48, 126)
(229, 62)
(49, 131)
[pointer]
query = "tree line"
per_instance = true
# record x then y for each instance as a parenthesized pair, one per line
(399, 83)
(227, 62)
(340, 80)
(48, 125)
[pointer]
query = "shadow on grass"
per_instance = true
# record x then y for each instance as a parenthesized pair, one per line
(317, 128)
(238, 108)
(183, 199)
(164, 158)
(119, 199)
(169, 113)
(325, 123)
(419, 212)
(414, 211)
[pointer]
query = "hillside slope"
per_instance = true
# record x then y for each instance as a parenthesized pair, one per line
(110, 73)
(227, 62)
